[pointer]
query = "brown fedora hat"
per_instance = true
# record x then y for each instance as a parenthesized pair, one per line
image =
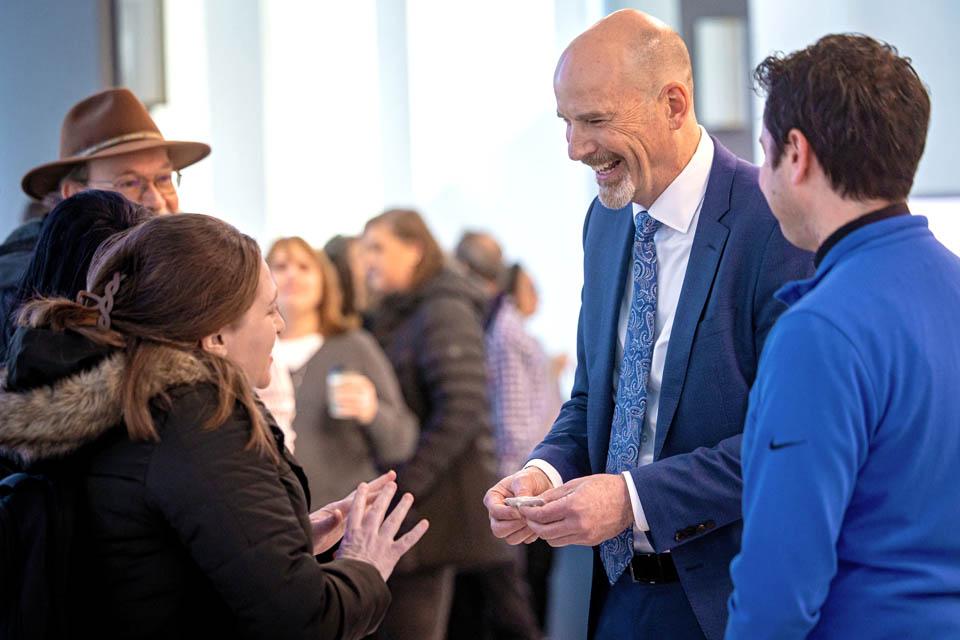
(107, 124)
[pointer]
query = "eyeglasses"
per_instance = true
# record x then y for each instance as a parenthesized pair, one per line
(133, 186)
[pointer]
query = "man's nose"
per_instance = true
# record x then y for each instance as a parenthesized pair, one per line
(579, 145)
(153, 199)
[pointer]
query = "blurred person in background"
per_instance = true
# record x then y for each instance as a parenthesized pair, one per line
(331, 379)
(429, 322)
(107, 141)
(193, 517)
(519, 382)
(522, 289)
(346, 254)
(518, 368)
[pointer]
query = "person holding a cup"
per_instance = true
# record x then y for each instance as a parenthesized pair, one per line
(332, 383)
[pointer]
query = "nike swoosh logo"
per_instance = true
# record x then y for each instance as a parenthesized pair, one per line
(775, 446)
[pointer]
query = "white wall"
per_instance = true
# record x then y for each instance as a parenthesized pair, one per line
(321, 116)
(924, 30)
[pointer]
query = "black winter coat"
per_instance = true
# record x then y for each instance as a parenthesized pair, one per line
(433, 336)
(191, 536)
(15, 254)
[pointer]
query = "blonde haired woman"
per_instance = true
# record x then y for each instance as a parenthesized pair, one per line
(333, 382)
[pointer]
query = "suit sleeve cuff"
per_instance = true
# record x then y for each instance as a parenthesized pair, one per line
(547, 468)
(639, 518)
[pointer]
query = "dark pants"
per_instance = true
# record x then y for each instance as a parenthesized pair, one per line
(492, 604)
(420, 605)
(634, 610)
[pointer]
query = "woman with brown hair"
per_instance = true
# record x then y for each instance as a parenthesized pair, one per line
(429, 323)
(332, 380)
(192, 518)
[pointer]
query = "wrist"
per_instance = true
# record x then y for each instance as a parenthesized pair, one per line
(540, 480)
(626, 504)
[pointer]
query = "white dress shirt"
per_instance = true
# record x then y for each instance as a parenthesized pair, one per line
(678, 210)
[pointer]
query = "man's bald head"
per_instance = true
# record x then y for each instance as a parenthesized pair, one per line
(647, 52)
(481, 254)
(624, 89)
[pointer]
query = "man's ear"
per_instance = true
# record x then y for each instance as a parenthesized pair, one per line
(678, 102)
(799, 156)
(215, 344)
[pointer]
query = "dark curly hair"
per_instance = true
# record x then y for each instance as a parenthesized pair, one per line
(861, 106)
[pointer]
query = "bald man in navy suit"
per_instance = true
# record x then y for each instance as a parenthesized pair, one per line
(681, 260)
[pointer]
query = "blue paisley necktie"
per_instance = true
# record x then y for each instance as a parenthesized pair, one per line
(630, 404)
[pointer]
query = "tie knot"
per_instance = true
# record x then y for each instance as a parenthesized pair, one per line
(646, 225)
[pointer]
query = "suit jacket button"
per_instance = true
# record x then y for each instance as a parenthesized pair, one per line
(678, 536)
(701, 528)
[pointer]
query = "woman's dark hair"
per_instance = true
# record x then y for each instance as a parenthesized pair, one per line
(862, 107)
(407, 225)
(338, 250)
(69, 237)
(512, 280)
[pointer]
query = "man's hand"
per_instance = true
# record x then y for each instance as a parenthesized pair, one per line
(328, 522)
(584, 511)
(506, 522)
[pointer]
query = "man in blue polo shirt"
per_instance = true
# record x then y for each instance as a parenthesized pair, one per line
(852, 438)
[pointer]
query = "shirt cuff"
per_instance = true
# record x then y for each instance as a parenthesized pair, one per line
(639, 518)
(547, 468)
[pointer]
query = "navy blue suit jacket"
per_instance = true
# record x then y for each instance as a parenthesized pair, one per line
(691, 492)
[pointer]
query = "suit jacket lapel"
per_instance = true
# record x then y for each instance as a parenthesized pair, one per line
(708, 243)
(611, 281)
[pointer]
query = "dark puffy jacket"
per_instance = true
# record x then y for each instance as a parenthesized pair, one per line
(434, 338)
(194, 535)
(15, 254)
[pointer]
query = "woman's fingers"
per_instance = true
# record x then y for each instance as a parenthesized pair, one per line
(410, 538)
(358, 507)
(392, 523)
(379, 508)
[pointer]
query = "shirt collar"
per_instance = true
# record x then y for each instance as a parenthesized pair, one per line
(896, 209)
(680, 201)
(792, 292)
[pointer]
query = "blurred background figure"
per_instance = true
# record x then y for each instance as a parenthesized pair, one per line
(346, 254)
(429, 321)
(524, 393)
(521, 288)
(332, 386)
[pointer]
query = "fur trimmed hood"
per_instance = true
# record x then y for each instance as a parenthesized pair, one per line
(55, 420)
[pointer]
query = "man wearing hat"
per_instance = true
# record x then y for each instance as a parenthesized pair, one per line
(108, 141)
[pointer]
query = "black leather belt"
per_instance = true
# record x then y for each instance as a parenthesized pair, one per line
(653, 568)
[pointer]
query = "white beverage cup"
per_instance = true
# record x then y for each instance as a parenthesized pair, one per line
(336, 379)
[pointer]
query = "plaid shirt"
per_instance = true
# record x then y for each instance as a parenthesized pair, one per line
(523, 396)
